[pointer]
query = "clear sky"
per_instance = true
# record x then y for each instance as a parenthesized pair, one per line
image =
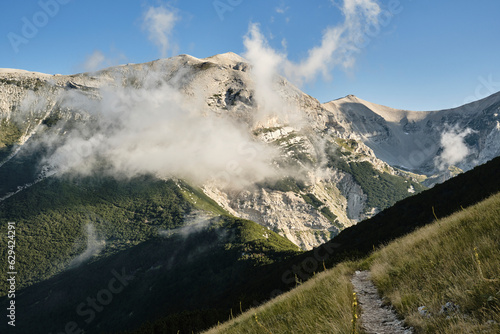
(420, 55)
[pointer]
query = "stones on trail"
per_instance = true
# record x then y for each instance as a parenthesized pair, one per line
(375, 317)
(422, 310)
(449, 308)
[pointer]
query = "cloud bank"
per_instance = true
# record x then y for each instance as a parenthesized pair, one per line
(154, 128)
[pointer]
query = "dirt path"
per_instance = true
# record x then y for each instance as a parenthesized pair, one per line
(375, 318)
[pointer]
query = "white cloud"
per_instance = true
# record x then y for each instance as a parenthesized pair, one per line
(159, 22)
(94, 61)
(454, 147)
(336, 48)
(284, 43)
(282, 9)
(94, 246)
(97, 60)
(192, 225)
(265, 61)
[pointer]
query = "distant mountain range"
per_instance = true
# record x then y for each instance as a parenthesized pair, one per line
(424, 142)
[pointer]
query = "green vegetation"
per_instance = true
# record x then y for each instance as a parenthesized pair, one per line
(312, 200)
(21, 169)
(33, 84)
(319, 205)
(199, 199)
(50, 219)
(382, 189)
(9, 133)
(183, 280)
(257, 242)
(285, 184)
(330, 215)
(265, 130)
(419, 177)
(349, 145)
(205, 65)
(52, 120)
(295, 151)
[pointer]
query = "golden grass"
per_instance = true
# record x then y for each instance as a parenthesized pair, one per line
(457, 260)
(321, 305)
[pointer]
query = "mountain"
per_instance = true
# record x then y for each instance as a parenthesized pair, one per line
(329, 153)
(415, 140)
(186, 167)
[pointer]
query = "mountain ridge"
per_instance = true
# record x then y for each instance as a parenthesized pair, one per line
(327, 146)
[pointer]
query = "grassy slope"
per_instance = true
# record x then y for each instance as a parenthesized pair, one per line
(430, 267)
(454, 260)
(321, 305)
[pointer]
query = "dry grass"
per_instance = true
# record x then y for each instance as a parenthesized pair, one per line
(321, 305)
(454, 260)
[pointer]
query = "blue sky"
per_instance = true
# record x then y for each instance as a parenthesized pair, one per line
(420, 55)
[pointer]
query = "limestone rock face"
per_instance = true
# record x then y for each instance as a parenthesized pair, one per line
(413, 140)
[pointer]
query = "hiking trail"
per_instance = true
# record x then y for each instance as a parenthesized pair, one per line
(375, 317)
